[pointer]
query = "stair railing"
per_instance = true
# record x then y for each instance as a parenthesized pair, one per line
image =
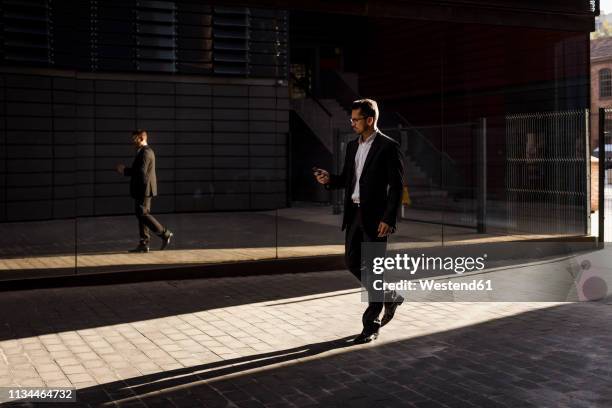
(312, 111)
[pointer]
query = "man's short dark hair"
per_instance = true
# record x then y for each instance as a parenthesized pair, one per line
(139, 132)
(369, 108)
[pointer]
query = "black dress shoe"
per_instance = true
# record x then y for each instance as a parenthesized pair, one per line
(166, 240)
(139, 249)
(364, 338)
(390, 308)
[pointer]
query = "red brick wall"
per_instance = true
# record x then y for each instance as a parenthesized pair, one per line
(596, 101)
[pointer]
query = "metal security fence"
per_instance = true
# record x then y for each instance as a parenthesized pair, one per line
(539, 186)
(547, 168)
(444, 172)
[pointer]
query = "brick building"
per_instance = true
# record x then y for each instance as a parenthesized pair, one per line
(601, 82)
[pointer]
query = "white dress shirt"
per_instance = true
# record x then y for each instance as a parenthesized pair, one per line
(360, 158)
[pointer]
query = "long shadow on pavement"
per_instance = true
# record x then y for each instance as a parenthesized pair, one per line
(41, 311)
(553, 357)
(68, 309)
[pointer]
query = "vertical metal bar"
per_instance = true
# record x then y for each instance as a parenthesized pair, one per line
(508, 123)
(538, 162)
(547, 210)
(524, 183)
(482, 176)
(556, 141)
(535, 122)
(532, 163)
(5, 158)
(336, 207)
(574, 136)
(519, 179)
(554, 157)
(587, 163)
(403, 147)
(571, 163)
(560, 140)
(573, 167)
(576, 185)
(512, 198)
(509, 137)
(567, 130)
(566, 123)
(564, 120)
(602, 169)
(586, 182)
(513, 170)
(289, 169)
(519, 176)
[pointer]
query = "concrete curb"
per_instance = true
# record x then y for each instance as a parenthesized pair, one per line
(219, 270)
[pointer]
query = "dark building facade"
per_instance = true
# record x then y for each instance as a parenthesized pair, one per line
(207, 82)
(215, 85)
(517, 73)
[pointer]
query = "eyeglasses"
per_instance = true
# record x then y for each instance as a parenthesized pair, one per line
(353, 121)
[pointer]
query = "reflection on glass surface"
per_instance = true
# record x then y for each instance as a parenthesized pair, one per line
(491, 119)
(37, 173)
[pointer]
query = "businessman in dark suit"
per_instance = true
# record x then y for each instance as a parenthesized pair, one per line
(372, 179)
(143, 187)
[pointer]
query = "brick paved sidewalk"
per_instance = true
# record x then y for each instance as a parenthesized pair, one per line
(94, 244)
(280, 341)
(49, 248)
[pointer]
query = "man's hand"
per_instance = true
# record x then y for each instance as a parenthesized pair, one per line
(321, 175)
(383, 229)
(120, 168)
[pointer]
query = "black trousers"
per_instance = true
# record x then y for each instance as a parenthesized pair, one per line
(146, 222)
(358, 266)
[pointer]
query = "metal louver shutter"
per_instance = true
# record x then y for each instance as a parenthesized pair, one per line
(71, 41)
(113, 35)
(231, 41)
(26, 32)
(155, 36)
(268, 43)
(194, 38)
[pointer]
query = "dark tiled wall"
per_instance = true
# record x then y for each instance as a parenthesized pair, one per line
(219, 145)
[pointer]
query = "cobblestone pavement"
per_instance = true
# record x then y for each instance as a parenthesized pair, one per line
(280, 341)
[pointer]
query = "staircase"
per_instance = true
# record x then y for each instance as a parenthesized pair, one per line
(328, 115)
(323, 117)
(340, 116)
(316, 118)
(423, 193)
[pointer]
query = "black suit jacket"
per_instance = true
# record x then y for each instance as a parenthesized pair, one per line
(380, 185)
(143, 181)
